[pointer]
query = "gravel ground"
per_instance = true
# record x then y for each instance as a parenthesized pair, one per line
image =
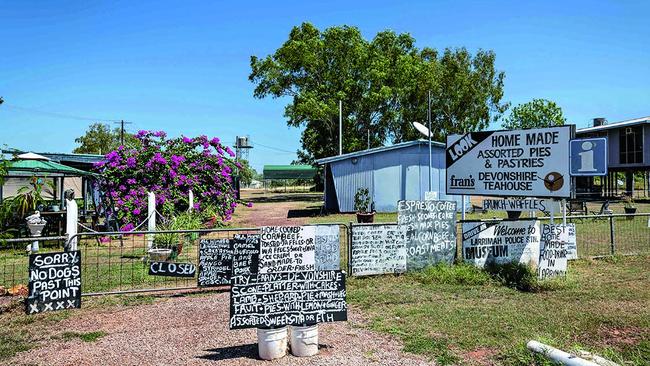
(193, 330)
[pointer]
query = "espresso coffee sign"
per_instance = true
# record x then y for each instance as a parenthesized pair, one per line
(54, 282)
(528, 163)
(430, 232)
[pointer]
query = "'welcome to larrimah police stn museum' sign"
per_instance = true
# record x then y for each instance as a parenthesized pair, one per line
(529, 163)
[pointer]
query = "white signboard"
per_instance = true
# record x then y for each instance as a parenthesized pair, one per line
(528, 204)
(524, 163)
(287, 249)
(378, 249)
(553, 251)
(501, 242)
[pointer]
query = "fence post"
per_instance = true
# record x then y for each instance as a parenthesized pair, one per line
(71, 218)
(611, 235)
(350, 249)
(151, 218)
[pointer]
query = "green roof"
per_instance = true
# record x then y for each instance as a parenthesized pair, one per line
(42, 167)
(289, 172)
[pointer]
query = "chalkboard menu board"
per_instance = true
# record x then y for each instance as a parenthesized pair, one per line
(327, 251)
(288, 298)
(378, 249)
(553, 251)
(287, 249)
(54, 282)
(501, 242)
(245, 261)
(215, 262)
(171, 269)
(430, 228)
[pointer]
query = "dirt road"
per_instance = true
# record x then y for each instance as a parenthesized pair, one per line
(193, 330)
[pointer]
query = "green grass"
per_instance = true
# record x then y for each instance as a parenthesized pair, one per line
(84, 336)
(12, 342)
(446, 313)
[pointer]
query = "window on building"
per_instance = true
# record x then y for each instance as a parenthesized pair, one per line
(631, 145)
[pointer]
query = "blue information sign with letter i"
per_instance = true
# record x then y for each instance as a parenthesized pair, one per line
(589, 157)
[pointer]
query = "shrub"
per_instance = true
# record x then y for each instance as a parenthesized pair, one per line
(170, 168)
(514, 274)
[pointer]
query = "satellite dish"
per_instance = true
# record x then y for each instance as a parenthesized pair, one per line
(422, 129)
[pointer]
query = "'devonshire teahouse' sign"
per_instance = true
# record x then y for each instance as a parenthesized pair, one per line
(529, 163)
(54, 281)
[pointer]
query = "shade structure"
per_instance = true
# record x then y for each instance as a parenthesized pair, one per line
(289, 172)
(29, 167)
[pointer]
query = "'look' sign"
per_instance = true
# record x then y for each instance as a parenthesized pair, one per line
(529, 163)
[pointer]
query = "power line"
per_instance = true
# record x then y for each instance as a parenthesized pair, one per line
(59, 115)
(274, 148)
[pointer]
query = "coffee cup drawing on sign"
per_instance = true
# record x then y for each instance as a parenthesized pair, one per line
(553, 181)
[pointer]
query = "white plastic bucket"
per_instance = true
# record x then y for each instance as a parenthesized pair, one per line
(304, 340)
(272, 343)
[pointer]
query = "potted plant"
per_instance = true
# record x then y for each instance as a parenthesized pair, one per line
(363, 207)
(629, 207)
(165, 245)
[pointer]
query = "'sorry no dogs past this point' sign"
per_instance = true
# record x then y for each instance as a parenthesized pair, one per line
(529, 163)
(54, 281)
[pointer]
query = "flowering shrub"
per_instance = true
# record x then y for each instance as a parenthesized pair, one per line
(169, 168)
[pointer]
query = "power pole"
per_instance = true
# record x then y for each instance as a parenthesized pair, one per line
(122, 123)
(340, 127)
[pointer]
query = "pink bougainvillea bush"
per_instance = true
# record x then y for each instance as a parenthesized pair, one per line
(170, 168)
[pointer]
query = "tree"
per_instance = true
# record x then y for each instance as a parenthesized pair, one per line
(383, 84)
(100, 139)
(246, 173)
(536, 113)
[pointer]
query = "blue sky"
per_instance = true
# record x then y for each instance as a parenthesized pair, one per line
(183, 66)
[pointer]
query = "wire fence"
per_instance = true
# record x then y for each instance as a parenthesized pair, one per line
(115, 262)
(118, 262)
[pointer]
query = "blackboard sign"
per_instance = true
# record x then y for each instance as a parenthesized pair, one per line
(246, 252)
(288, 298)
(215, 262)
(54, 282)
(378, 249)
(287, 249)
(171, 269)
(553, 251)
(430, 232)
(501, 242)
(327, 251)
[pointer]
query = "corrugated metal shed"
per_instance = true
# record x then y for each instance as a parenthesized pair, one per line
(391, 173)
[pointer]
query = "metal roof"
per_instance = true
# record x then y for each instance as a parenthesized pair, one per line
(375, 150)
(21, 167)
(626, 123)
(289, 172)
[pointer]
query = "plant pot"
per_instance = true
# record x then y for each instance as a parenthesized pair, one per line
(630, 210)
(365, 217)
(36, 229)
(513, 215)
(159, 254)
